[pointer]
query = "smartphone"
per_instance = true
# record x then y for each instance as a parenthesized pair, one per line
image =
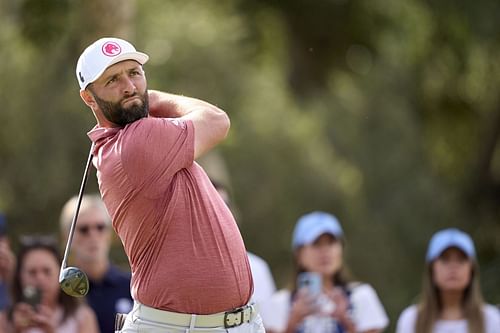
(311, 281)
(32, 296)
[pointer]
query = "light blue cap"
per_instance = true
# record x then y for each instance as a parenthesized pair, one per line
(444, 239)
(312, 225)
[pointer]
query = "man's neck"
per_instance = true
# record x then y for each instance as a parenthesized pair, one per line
(94, 270)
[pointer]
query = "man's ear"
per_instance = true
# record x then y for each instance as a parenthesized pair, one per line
(88, 98)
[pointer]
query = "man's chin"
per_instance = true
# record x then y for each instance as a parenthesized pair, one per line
(132, 102)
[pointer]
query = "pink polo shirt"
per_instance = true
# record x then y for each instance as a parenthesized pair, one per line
(184, 247)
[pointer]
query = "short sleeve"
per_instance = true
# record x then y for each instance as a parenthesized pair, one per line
(407, 320)
(368, 312)
(491, 319)
(153, 150)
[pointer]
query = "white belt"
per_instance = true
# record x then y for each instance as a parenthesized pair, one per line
(226, 319)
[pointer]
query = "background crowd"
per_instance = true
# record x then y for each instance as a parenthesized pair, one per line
(321, 297)
(385, 113)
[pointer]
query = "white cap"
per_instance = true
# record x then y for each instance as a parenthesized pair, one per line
(101, 54)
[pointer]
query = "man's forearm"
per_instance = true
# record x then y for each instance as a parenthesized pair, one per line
(211, 124)
(165, 105)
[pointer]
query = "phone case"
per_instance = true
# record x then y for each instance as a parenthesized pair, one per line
(311, 281)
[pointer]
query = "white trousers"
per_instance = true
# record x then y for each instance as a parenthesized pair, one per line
(135, 324)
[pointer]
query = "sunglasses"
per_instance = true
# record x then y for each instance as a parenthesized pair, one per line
(85, 229)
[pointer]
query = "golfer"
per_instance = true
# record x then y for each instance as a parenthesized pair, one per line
(190, 271)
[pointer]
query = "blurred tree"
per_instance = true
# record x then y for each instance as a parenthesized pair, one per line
(42, 158)
(383, 112)
(399, 83)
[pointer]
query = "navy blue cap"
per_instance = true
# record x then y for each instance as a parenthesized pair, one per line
(444, 239)
(310, 226)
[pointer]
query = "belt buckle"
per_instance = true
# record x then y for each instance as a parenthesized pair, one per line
(234, 318)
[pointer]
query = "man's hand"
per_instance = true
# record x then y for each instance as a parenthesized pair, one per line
(211, 124)
(162, 105)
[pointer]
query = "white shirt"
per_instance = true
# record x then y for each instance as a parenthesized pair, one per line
(263, 284)
(408, 318)
(367, 310)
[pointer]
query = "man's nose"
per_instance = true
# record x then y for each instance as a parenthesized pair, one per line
(129, 87)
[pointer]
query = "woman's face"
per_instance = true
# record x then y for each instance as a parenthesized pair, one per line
(452, 270)
(41, 269)
(324, 256)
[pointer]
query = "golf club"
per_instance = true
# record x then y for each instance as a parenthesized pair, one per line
(74, 281)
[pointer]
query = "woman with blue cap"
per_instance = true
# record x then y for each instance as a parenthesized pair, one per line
(451, 299)
(322, 300)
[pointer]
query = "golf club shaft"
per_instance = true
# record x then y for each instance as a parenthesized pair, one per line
(75, 216)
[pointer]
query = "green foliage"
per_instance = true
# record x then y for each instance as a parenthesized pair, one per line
(385, 113)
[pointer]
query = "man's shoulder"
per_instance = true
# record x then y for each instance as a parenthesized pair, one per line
(154, 121)
(150, 131)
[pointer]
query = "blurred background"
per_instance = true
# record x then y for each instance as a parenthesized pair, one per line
(385, 113)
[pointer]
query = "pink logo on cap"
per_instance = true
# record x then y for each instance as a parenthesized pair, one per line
(111, 49)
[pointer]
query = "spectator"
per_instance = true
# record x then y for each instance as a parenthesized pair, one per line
(39, 305)
(109, 286)
(339, 305)
(7, 264)
(451, 299)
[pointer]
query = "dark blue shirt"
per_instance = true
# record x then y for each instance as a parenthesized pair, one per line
(109, 296)
(4, 296)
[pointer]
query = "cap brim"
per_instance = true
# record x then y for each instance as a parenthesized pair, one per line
(140, 57)
(314, 235)
(317, 233)
(438, 252)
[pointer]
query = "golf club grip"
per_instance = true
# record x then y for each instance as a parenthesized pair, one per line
(79, 201)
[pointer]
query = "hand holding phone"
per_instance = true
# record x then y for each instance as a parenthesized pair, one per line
(32, 296)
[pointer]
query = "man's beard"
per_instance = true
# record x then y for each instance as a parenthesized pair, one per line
(117, 114)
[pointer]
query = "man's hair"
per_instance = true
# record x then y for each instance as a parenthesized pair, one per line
(89, 202)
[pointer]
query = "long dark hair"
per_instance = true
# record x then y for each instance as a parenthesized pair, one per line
(429, 307)
(47, 243)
